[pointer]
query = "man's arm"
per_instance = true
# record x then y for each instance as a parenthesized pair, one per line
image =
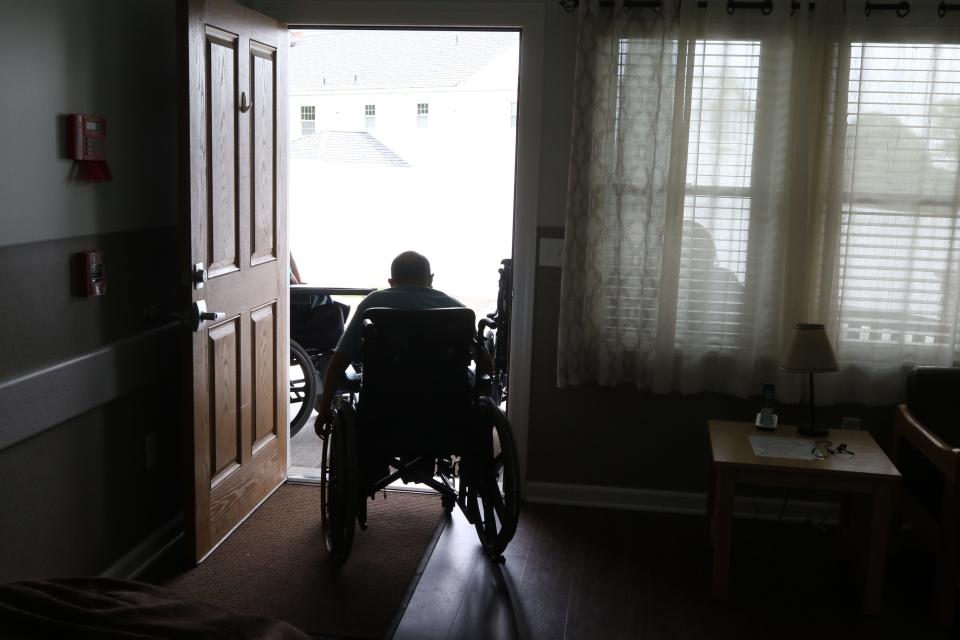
(347, 349)
(331, 382)
(294, 272)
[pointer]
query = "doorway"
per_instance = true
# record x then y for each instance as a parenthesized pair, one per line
(400, 139)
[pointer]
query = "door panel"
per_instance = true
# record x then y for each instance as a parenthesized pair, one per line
(264, 374)
(225, 393)
(263, 68)
(237, 231)
(222, 133)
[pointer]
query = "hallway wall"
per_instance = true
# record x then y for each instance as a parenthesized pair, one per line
(86, 382)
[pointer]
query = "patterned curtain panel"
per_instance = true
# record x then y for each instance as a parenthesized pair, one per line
(733, 174)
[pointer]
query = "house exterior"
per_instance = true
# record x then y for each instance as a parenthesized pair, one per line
(405, 87)
(403, 139)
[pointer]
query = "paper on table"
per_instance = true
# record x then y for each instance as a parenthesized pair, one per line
(774, 447)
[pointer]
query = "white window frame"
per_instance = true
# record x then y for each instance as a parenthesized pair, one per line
(423, 115)
(308, 116)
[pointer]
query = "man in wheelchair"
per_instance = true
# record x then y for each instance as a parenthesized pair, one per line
(418, 415)
(411, 287)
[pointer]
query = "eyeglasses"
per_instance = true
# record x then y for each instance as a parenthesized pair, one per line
(840, 449)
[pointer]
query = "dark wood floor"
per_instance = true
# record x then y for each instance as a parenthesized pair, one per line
(591, 573)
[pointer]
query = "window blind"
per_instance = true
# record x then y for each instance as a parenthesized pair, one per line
(716, 218)
(717, 203)
(899, 233)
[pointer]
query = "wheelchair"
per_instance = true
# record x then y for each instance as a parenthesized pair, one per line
(316, 324)
(495, 331)
(419, 415)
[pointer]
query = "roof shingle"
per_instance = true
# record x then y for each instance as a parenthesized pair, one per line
(369, 59)
(345, 146)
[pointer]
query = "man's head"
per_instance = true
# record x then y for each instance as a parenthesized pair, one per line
(410, 268)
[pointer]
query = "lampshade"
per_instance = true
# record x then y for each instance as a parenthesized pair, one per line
(809, 350)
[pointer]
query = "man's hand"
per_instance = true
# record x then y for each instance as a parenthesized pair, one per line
(331, 383)
(325, 415)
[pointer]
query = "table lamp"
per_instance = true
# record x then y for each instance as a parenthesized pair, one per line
(809, 352)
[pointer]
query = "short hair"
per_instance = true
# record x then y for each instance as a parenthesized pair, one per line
(410, 267)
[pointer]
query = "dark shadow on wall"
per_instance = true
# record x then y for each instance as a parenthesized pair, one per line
(79, 496)
(623, 437)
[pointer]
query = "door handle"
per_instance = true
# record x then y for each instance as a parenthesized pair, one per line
(199, 275)
(201, 315)
(244, 105)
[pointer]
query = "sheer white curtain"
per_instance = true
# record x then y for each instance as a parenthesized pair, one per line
(734, 174)
(890, 275)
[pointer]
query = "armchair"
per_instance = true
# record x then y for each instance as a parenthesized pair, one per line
(926, 450)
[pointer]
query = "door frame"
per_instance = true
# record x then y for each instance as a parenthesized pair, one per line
(528, 18)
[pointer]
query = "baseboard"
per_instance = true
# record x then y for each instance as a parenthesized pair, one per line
(679, 502)
(142, 556)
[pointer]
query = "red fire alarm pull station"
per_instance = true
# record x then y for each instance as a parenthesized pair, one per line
(87, 144)
(91, 277)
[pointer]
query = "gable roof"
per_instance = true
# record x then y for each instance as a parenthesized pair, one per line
(345, 146)
(336, 60)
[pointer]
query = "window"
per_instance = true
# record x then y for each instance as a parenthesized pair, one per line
(716, 198)
(717, 202)
(423, 112)
(369, 116)
(899, 232)
(513, 114)
(711, 206)
(308, 120)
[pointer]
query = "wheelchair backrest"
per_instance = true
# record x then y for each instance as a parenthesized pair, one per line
(415, 368)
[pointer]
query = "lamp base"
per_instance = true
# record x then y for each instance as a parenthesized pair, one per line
(812, 432)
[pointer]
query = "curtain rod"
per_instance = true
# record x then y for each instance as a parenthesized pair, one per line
(766, 6)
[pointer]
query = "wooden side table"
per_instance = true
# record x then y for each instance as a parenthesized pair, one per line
(868, 472)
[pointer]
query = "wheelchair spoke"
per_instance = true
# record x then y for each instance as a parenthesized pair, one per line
(489, 522)
(498, 505)
(498, 465)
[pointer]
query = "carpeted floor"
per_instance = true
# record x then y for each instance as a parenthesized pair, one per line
(275, 565)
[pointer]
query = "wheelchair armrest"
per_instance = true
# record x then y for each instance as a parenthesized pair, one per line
(308, 290)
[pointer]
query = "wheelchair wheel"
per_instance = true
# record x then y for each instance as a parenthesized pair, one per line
(498, 493)
(303, 387)
(338, 487)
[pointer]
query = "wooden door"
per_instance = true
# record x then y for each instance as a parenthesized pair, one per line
(235, 63)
